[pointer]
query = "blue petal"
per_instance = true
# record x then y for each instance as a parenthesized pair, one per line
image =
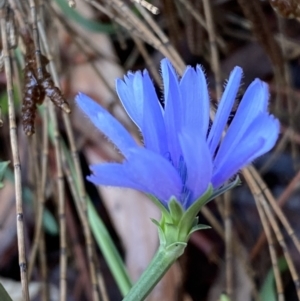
(144, 171)
(195, 100)
(254, 102)
(173, 109)
(153, 127)
(112, 174)
(269, 132)
(140, 101)
(198, 162)
(106, 123)
(133, 107)
(230, 168)
(259, 138)
(224, 109)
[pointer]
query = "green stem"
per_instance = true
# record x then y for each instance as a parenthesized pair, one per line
(162, 261)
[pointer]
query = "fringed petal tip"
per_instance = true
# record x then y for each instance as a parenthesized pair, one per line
(129, 77)
(106, 123)
(224, 109)
(90, 108)
(87, 104)
(126, 81)
(272, 132)
(167, 69)
(195, 101)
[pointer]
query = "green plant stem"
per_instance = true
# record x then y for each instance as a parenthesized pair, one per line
(160, 264)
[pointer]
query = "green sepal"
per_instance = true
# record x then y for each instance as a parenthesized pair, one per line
(175, 209)
(216, 193)
(174, 229)
(199, 227)
(176, 225)
(160, 206)
(161, 234)
(187, 219)
(171, 233)
(196, 221)
(3, 166)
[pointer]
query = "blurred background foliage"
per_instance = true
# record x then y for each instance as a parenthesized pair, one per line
(82, 242)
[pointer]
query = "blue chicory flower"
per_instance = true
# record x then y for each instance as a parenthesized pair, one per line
(182, 154)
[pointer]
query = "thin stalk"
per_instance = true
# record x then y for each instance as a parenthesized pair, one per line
(15, 155)
(276, 206)
(266, 226)
(289, 92)
(19, 16)
(43, 268)
(215, 61)
(138, 27)
(1, 121)
(228, 244)
(153, 9)
(44, 168)
(273, 255)
(106, 245)
(197, 16)
(74, 228)
(79, 176)
(148, 60)
(40, 179)
(236, 246)
(162, 36)
(74, 191)
(280, 238)
(80, 44)
(39, 240)
(59, 175)
(37, 205)
(61, 208)
(283, 245)
(35, 34)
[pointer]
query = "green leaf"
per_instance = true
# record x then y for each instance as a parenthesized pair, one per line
(109, 251)
(224, 297)
(49, 223)
(3, 166)
(268, 290)
(4, 296)
(90, 25)
(4, 101)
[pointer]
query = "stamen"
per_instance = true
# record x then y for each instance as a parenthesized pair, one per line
(182, 170)
(185, 196)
